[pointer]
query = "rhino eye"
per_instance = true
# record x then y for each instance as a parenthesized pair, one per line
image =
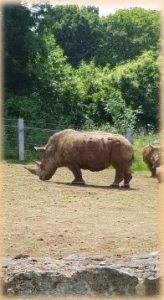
(42, 167)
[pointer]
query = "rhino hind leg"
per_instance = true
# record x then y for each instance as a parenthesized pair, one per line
(127, 178)
(119, 176)
(77, 174)
(127, 175)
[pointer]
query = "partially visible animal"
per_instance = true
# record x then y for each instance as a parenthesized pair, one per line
(94, 151)
(160, 173)
(152, 154)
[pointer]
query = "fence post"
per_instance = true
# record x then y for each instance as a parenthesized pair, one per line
(21, 138)
(128, 134)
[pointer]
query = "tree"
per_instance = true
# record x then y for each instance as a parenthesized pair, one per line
(65, 65)
(76, 29)
(57, 89)
(138, 82)
(103, 101)
(127, 34)
(18, 48)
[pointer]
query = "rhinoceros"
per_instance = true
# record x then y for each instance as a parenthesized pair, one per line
(94, 151)
(152, 156)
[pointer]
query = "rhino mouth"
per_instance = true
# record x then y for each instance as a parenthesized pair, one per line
(42, 174)
(39, 173)
(44, 177)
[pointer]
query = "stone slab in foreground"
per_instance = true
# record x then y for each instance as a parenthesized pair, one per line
(81, 275)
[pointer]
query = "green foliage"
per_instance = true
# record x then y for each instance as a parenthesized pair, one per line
(58, 91)
(104, 102)
(18, 48)
(75, 29)
(20, 106)
(66, 67)
(83, 35)
(127, 34)
(123, 116)
(138, 82)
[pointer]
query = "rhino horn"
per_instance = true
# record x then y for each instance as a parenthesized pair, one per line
(33, 171)
(40, 149)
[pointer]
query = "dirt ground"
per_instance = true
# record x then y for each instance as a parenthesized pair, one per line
(55, 218)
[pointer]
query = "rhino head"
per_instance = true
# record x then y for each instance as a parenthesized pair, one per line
(46, 168)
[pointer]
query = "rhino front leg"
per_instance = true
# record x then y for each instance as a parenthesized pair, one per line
(153, 172)
(77, 174)
(119, 175)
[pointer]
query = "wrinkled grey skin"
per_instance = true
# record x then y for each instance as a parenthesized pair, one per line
(94, 151)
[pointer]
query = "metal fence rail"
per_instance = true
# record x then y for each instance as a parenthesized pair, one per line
(20, 138)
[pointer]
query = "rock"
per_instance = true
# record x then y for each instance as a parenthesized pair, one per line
(82, 275)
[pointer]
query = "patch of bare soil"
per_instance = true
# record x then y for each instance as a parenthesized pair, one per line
(55, 218)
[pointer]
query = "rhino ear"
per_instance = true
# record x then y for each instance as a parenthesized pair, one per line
(155, 146)
(151, 146)
(40, 149)
(38, 163)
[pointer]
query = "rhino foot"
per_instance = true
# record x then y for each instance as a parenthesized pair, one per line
(78, 182)
(114, 186)
(125, 186)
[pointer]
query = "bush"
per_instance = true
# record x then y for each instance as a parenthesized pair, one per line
(138, 83)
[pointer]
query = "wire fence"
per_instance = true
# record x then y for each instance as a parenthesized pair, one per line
(10, 138)
(32, 136)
